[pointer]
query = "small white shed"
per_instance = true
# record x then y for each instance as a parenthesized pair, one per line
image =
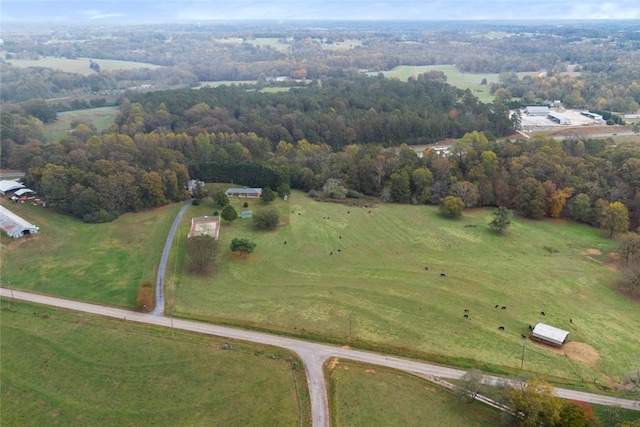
(550, 334)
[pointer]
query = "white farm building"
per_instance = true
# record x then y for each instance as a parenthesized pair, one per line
(549, 334)
(7, 186)
(14, 225)
(534, 110)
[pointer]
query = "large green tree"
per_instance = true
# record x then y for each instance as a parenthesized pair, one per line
(268, 195)
(399, 187)
(201, 252)
(267, 219)
(530, 198)
(229, 213)
(501, 219)
(243, 246)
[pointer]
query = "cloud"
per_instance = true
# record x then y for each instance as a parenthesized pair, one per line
(107, 16)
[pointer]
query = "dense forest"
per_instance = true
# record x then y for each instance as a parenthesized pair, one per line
(343, 138)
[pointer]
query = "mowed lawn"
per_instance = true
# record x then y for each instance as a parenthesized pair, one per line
(102, 263)
(364, 395)
(100, 117)
(70, 369)
(364, 271)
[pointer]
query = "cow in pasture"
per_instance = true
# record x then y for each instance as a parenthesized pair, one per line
(501, 328)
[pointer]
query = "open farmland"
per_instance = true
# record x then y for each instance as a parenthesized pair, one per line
(364, 395)
(80, 65)
(454, 78)
(102, 263)
(362, 271)
(99, 117)
(62, 369)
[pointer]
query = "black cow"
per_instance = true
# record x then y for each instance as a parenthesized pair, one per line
(504, 307)
(542, 312)
(466, 316)
(501, 328)
(443, 275)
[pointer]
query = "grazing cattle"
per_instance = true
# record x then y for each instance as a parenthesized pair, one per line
(524, 336)
(340, 237)
(298, 213)
(369, 211)
(443, 275)
(285, 242)
(466, 316)
(496, 306)
(542, 312)
(339, 250)
(348, 212)
(426, 268)
(331, 253)
(466, 310)
(504, 307)
(530, 328)
(570, 320)
(501, 328)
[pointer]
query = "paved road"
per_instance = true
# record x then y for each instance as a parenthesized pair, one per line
(159, 309)
(312, 354)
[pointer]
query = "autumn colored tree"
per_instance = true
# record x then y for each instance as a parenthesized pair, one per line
(467, 192)
(451, 206)
(144, 300)
(614, 218)
(576, 414)
(534, 404)
(629, 248)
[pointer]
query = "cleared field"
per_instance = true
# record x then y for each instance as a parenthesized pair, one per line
(363, 270)
(64, 369)
(454, 78)
(102, 263)
(363, 395)
(80, 65)
(99, 117)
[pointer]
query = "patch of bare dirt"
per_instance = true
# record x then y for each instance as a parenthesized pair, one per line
(331, 364)
(370, 371)
(593, 251)
(581, 352)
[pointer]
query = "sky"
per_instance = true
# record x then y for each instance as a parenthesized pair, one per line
(203, 10)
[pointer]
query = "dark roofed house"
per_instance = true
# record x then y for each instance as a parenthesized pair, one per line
(550, 334)
(244, 192)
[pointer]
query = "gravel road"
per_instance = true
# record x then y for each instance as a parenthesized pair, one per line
(312, 354)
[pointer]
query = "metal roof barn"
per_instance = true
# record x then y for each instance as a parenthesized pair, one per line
(15, 226)
(550, 334)
(8, 186)
(536, 110)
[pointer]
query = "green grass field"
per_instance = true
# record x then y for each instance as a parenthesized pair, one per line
(363, 395)
(102, 263)
(99, 117)
(376, 275)
(64, 369)
(80, 65)
(454, 78)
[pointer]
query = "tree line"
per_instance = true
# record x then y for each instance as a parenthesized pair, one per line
(143, 159)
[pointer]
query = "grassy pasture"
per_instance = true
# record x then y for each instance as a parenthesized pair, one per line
(454, 78)
(80, 65)
(363, 395)
(74, 369)
(101, 263)
(376, 276)
(99, 117)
